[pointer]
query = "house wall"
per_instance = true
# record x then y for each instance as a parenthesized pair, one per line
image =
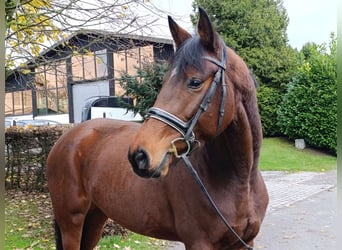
(61, 87)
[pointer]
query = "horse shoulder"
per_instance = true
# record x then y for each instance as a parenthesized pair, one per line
(83, 139)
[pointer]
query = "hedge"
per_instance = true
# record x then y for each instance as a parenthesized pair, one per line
(269, 100)
(26, 151)
(309, 107)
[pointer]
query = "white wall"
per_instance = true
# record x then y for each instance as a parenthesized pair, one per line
(114, 113)
(81, 92)
(63, 118)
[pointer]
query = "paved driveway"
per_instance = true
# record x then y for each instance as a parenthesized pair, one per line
(302, 212)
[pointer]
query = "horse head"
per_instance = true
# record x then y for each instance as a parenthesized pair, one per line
(195, 102)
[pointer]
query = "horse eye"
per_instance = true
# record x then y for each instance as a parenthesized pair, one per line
(194, 83)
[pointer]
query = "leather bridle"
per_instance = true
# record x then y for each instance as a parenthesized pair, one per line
(186, 128)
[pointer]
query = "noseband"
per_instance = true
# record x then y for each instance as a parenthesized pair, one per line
(186, 128)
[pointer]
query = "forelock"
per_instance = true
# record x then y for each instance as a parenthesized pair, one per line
(189, 54)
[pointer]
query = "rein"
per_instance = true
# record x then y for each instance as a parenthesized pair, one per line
(211, 201)
(186, 130)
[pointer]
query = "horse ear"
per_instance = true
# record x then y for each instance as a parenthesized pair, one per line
(206, 32)
(179, 35)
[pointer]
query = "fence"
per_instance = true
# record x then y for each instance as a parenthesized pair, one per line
(26, 151)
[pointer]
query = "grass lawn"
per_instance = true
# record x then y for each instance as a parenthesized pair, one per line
(28, 225)
(28, 217)
(28, 221)
(280, 154)
(131, 242)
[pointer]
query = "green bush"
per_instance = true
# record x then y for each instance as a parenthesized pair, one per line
(143, 87)
(268, 100)
(309, 107)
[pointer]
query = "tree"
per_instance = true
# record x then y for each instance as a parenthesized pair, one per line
(309, 107)
(143, 87)
(256, 29)
(35, 25)
(28, 26)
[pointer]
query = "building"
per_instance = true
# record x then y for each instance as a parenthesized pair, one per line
(61, 79)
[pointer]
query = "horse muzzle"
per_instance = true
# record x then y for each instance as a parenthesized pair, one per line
(141, 164)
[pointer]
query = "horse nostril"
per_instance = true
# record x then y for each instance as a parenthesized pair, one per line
(141, 160)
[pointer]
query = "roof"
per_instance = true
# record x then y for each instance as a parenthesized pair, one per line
(86, 37)
(108, 34)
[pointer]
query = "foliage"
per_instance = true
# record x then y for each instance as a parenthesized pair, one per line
(28, 26)
(269, 99)
(26, 151)
(144, 87)
(33, 26)
(309, 107)
(257, 31)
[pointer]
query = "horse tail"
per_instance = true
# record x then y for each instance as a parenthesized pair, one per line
(58, 237)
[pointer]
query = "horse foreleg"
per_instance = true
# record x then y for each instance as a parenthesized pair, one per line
(92, 228)
(71, 230)
(70, 210)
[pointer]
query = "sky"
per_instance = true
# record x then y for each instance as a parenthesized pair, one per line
(309, 20)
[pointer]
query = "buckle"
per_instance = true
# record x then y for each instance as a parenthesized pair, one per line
(174, 150)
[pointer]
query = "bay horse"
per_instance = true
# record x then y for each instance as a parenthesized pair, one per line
(206, 113)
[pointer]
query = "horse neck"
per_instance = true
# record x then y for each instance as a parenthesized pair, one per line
(225, 158)
(235, 152)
